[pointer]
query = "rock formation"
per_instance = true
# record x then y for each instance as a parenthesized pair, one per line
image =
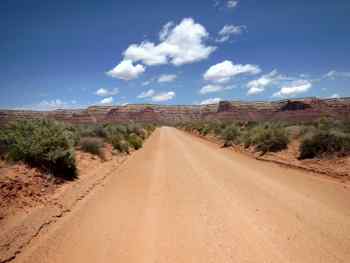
(307, 109)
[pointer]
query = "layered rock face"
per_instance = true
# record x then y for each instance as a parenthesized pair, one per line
(307, 109)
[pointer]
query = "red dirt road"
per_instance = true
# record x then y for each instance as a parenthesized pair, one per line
(182, 199)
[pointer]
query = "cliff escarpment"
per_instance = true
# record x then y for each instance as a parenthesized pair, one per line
(307, 109)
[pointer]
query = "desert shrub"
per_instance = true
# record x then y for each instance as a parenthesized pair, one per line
(142, 133)
(324, 143)
(133, 128)
(269, 138)
(92, 145)
(230, 135)
(75, 133)
(116, 130)
(121, 145)
(90, 130)
(45, 144)
(345, 127)
(324, 124)
(214, 128)
(245, 138)
(150, 128)
(4, 143)
(204, 129)
(135, 141)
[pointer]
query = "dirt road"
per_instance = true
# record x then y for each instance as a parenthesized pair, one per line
(182, 199)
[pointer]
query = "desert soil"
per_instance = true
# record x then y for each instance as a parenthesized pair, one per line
(183, 199)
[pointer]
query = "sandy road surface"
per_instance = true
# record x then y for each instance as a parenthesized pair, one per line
(181, 199)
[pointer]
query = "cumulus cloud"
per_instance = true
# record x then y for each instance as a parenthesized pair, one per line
(210, 89)
(210, 101)
(107, 101)
(125, 70)
(107, 93)
(335, 96)
(224, 71)
(146, 94)
(295, 88)
(259, 85)
(180, 44)
(165, 30)
(163, 96)
(229, 30)
(167, 78)
(336, 74)
(48, 105)
(232, 3)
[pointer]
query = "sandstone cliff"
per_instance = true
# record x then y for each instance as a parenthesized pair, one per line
(307, 109)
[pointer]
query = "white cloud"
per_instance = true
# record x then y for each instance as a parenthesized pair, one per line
(335, 96)
(228, 30)
(165, 30)
(224, 71)
(210, 89)
(334, 74)
(146, 52)
(146, 94)
(48, 105)
(258, 85)
(107, 101)
(210, 101)
(167, 78)
(148, 82)
(106, 93)
(182, 44)
(163, 96)
(295, 88)
(126, 70)
(232, 3)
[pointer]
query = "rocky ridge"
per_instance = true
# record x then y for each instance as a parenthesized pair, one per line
(306, 109)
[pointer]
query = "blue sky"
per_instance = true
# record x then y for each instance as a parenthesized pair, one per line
(68, 54)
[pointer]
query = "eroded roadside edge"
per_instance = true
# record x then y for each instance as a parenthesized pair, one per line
(17, 238)
(339, 177)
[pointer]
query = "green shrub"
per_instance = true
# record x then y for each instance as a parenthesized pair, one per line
(135, 141)
(142, 133)
(205, 131)
(324, 143)
(4, 144)
(75, 131)
(269, 138)
(230, 135)
(92, 145)
(150, 128)
(121, 145)
(45, 144)
(91, 130)
(246, 138)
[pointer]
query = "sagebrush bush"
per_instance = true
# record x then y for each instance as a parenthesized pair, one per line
(150, 128)
(90, 130)
(92, 145)
(230, 135)
(121, 145)
(3, 143)
(45, 144)
(269, 138)
(324, 142)
(142, 133)
(135, 141)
